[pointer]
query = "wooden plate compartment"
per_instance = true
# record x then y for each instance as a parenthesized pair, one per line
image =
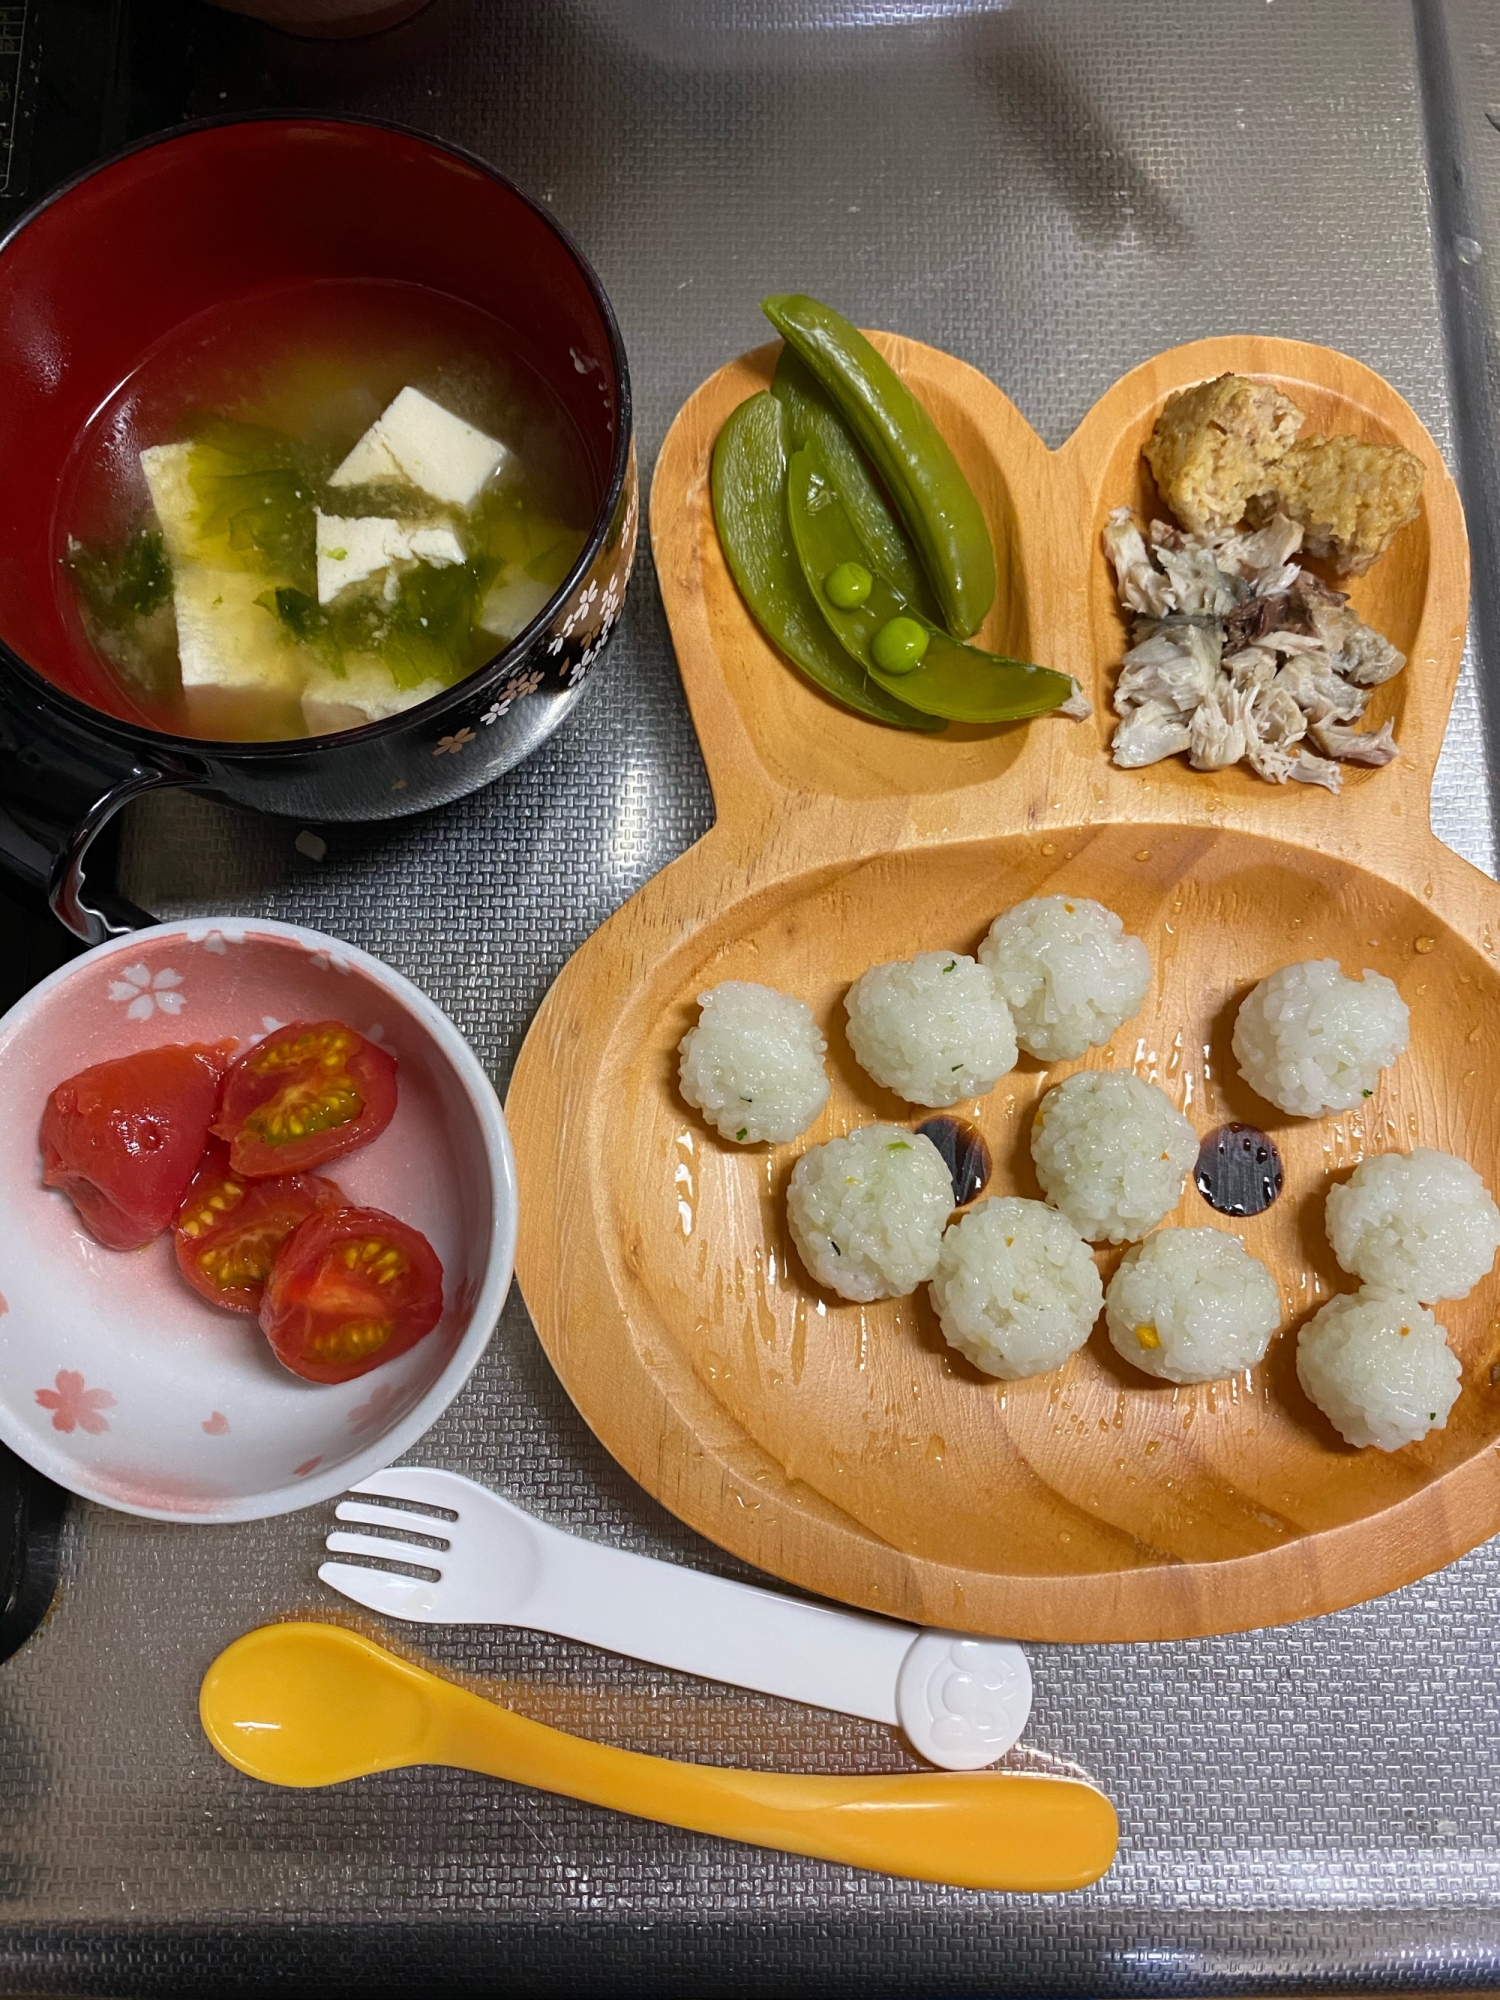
(846, 1448)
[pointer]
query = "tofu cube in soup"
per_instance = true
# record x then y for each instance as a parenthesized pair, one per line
(225, 638)
(419, 443)
(351, 550)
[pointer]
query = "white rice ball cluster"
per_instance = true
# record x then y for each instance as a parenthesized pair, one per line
(1192, 1305)
(935, 1028)
(1069, 972)
(754, 1063)
(1379, 1367)
(1112, 1153)
(1309, 1040)
(867, 1212)
(1016, 1289)
(1420, 1223)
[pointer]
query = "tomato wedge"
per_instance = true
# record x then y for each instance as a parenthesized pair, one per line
(351, 1289)
(229, 1228)
(307, 1094)
(123, 1138)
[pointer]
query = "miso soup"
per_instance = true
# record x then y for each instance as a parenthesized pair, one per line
(316, 508)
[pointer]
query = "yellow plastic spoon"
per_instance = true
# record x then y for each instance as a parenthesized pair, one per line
(306, 1704)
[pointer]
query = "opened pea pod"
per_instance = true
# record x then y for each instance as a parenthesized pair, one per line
(812, 419)
(749, 495)
(864, 595)
(903, 652)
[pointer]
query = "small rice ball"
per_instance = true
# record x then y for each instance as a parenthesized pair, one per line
(1419, 1222)
(754, 1064)
(1379, 1367)
(1112, 1153)
(935, 1028)
(1309, 1040)
(867, 1212)
(1069, 972)
(1016, 1289)
(1192, 1305)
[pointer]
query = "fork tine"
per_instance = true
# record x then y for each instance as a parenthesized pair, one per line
(381, 1590)
(395, 1517)
(384, 1548)
(425, 1484)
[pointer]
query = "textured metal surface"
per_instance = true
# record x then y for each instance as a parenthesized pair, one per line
(1054, 192)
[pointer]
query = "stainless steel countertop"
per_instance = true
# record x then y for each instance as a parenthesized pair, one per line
(1054, 192)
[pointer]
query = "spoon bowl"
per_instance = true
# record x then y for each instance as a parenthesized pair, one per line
(304, 1704)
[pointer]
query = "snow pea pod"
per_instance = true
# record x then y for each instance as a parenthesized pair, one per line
(948, 679)
(749, 495)
(810, 414)
(921, 474)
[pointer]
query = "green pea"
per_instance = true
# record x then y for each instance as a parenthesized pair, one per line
(848, 586)
(899, 645)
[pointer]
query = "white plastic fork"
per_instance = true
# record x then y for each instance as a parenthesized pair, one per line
(961, 1701)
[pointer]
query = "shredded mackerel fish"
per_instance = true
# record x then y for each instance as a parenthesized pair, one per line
(1239, 655)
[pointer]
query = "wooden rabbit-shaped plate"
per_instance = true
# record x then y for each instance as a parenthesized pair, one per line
(847, 1448)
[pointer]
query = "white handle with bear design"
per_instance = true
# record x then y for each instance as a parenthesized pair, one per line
(961, 1701)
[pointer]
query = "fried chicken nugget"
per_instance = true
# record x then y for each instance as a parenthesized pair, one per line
(1215, 447)
(1350, 497)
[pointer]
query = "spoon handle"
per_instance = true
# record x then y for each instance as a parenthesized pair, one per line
(975, 1830)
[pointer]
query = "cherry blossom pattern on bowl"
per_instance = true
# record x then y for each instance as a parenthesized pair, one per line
(116, 1379)
(145, 992)
(583, 632)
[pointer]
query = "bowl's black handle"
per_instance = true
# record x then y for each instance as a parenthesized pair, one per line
(59, 785)
(31, 1523)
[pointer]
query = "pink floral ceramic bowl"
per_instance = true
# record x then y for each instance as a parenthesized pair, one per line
(120, 1382)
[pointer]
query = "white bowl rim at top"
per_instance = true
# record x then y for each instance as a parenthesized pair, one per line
(388, 1445)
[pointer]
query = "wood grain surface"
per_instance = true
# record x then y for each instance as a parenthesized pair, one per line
(846, 1448)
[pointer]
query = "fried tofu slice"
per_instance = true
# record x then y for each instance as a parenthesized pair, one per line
(1215, 447)
(1350, 497)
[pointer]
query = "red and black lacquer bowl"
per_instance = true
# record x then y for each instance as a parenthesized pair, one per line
(113, 265)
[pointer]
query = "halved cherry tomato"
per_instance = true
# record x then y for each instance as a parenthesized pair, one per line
(122, 1139)
(351, 1289)
(307, 1094)
(229, 1229)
